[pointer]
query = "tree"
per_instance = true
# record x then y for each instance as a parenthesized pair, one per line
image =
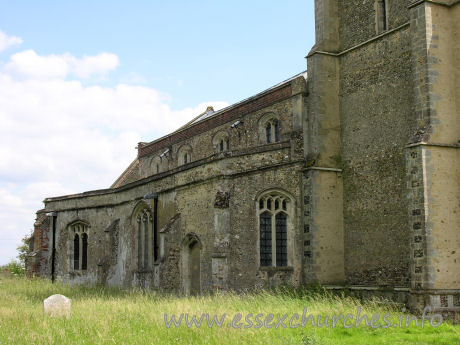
(24, 248)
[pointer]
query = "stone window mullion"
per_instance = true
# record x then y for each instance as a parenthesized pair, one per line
(152, 241)
(80, 249)
(273, 239)
(84, 241)
(139, 243)
(146, 240)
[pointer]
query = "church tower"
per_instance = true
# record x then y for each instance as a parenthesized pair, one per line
(381, 139)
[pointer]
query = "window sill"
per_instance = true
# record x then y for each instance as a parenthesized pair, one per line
(276, 268)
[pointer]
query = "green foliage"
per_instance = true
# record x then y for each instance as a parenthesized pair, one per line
(311, 339)
(15, 267)
(23, 249)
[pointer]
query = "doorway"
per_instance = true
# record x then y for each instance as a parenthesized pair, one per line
(194, 268)
(191, 266)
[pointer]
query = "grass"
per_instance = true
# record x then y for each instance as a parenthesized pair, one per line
(114, 316)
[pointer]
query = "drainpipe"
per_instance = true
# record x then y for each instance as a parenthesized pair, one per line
(53, 245)
(155, 228)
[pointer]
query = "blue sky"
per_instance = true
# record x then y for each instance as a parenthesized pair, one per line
(82, 82)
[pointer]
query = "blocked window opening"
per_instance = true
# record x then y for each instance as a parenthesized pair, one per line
(159, 163)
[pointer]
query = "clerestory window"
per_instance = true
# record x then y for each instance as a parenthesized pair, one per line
(221, 142)
(184, 155)
(272, 131)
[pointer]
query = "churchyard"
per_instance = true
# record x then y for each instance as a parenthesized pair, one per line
(102, 315)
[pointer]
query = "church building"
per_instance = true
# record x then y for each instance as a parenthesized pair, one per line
(346, 175)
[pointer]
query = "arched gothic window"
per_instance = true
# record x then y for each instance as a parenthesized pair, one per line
(147, 242)
(159, 164)
(274, 210)
(269, 128)
(221, 142)
(79, 236)
(184, 155)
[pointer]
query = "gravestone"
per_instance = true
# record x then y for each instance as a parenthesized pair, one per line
(57, 305)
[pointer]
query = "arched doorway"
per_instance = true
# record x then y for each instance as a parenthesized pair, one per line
(191, 267)
(194, 269)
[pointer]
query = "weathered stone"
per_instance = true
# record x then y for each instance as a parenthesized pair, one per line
(57, 306)
(365, 150)
(222, 199)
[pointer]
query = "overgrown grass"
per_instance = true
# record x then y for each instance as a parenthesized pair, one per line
(114, 316)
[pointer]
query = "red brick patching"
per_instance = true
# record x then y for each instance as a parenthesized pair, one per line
(215, 121)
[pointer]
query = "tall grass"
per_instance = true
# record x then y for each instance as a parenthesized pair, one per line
(115, 316)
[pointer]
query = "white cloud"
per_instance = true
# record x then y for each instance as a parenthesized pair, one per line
(7, 41)
(59, 137)
(99, 64)
(29, 65)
